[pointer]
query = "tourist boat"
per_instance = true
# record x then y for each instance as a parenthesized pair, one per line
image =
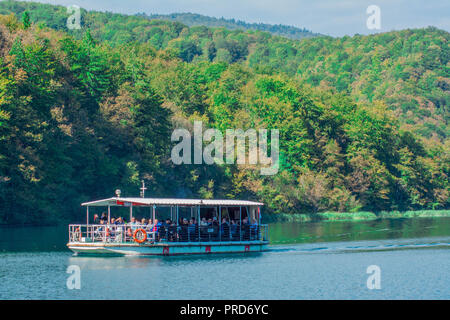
(177, 227)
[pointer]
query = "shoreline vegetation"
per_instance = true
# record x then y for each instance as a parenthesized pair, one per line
(354, 216)
(306, 218)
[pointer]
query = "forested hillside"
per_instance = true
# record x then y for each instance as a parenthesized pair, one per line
(362, 120)
(193, 19)
(407, 70)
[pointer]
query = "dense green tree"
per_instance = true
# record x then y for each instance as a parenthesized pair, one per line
(26, 20)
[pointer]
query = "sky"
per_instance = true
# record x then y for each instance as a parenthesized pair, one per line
(331, 17)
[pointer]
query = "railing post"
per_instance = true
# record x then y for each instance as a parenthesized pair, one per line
(240, 223)
(177, 226)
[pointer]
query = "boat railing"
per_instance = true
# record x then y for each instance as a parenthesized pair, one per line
(106, 233)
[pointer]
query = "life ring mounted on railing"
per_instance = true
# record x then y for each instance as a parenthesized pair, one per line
(140, 236)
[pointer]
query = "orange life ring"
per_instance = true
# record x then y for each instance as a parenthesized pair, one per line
(143, 239)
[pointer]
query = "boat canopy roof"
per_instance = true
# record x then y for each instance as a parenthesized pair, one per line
(147, 202)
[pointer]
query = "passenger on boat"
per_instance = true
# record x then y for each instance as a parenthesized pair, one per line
(117, 230)
(132, 226)
(99, 231)
(203, 223)
(112, 228)
(214, 229)
(171, 230)
(191, 224)
(191, 229)
(163, 229)
(156, 229)
(96, 219)
(183, 229)
(233, 228)
(104, 217)
(175, 229)
(254, 230)
(119, 221)
(225, 229)
(245, 229)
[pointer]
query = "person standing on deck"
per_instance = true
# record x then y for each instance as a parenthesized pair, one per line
(132, 226)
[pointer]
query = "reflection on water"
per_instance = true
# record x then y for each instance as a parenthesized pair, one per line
(325, 260)
(134, 262)
(38, 239)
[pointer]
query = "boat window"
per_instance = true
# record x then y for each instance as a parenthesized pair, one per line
(184, 213)
(225, 213)
(162, 213)
(234, 213)
(208, 213)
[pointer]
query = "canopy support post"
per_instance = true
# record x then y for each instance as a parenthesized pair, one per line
(240, 223)
(198, 223)
(87, 222)
(220, 223)
(259, 215)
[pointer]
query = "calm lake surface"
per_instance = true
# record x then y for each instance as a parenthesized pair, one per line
(325, 260)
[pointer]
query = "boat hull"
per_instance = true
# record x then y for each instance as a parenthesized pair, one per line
(166, 249)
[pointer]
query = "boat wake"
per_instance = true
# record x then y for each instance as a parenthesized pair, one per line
(363, 246)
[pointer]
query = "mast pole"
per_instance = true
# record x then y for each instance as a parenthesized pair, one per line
(143, 188)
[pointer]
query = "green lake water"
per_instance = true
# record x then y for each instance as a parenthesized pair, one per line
(323, 260)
